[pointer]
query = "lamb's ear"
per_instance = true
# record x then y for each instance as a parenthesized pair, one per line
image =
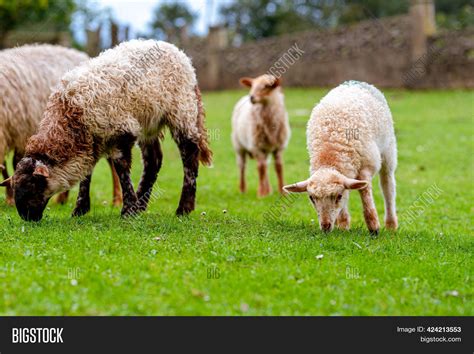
(298, 187)
(246, 81)
(7, 182)
(276, 83)
(350, 183)
(41, 170)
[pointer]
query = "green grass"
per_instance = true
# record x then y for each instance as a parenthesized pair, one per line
(160, 265)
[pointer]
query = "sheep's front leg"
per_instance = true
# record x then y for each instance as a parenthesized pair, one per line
(152, 158)
(190, 156)
(123, 163)
(279, 169)
(370, 213)
(83, 203)
(263, 183)
(344, 219)
(9, 190)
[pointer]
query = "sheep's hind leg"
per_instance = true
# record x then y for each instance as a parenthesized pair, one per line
(279, 169)
(370, 213)
(241, 161)
(387, 184)
(190, 156)
(117, 193)
(152, 158)
(123, 163)
(83, 203)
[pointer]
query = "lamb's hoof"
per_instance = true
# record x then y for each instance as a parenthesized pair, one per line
(130, 211)
(80, 211)
(391, 225)
(117, 202)
(184, 211)
(374, 232)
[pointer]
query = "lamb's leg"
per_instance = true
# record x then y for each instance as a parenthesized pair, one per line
(152, 159)
(117, 193)
(387, 184)
(123, 164)
(83, 203)
(9, 190)
(241, 161)
(279, 169)
(62, 198)
(190, 157)
(344, 219)
(263, 183)
(370, 213)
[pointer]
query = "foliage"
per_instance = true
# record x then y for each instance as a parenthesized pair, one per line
(49, 14)
(254, 19)
(170, 19)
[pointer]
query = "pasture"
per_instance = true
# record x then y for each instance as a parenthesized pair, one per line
(227, 258)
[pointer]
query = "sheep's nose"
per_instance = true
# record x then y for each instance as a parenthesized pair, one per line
(326, 227)
(252, 99)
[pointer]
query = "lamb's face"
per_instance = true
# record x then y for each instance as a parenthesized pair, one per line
(30, 185)
(261, 88)
(328, 191)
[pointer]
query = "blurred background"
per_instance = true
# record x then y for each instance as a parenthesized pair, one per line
(407, 43)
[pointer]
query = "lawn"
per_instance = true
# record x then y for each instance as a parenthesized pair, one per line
(228, 258)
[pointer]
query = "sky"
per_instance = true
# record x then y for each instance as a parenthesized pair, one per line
(138, 13)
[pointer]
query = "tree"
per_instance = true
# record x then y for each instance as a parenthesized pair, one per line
(253, 19)
(52, 14)
(172, 20)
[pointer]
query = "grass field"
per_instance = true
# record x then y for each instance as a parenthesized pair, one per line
(241, 263)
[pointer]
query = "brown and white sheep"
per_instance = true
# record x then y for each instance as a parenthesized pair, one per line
(260, 127)
(350, 138)
(27, 76)
(101, 108)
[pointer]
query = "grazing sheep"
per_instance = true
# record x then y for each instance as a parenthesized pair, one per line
(350, 138)
(128, 93)
(27, 76)
(260, 127)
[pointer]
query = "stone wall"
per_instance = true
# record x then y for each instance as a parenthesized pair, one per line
(384, 52)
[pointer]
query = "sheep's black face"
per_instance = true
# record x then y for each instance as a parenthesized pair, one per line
(30, 187)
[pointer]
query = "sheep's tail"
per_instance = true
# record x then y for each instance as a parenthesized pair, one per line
(205, 153)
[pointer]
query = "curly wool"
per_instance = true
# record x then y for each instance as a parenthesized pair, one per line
(136, 88)
(27, 76)
(350, 129)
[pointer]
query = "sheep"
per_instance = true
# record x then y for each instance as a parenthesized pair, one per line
(260, 127)
(128, 93)
(27, 77)
(350, 137)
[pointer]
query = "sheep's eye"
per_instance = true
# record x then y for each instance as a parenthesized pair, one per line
(312, 198)
(338, 198)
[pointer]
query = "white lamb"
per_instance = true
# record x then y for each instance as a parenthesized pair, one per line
(260, 127)
(350, 138)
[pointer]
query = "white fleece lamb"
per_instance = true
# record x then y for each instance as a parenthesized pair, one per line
(350, 138)
(27, 76)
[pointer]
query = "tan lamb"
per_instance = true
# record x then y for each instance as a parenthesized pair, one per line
(28, 75)
(350, 138)
(260, 128)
